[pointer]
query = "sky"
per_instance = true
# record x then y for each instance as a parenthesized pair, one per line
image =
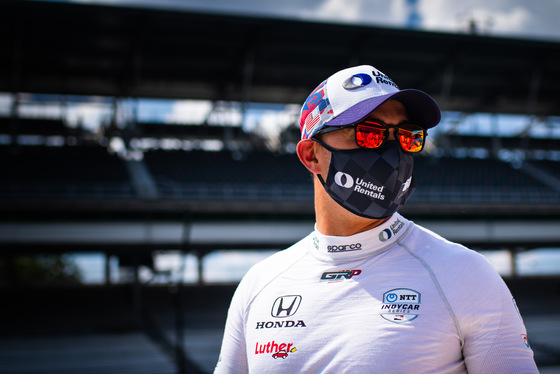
(537, 19)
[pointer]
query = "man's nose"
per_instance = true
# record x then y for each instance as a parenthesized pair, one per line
(392, 134)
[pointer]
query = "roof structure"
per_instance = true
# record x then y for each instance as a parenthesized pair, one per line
(81, 49)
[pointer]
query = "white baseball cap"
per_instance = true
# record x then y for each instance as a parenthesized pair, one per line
(349, 95)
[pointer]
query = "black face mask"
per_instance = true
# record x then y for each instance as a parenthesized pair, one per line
(370, 183)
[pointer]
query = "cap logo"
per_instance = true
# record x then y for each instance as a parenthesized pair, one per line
(356, 81)
(384, 79)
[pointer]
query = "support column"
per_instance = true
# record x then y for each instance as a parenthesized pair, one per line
(496, 141)
(16, 80)
(107, 269)
(200, 268)
(248, 73)
(534, 87)
(446, 84)
(513, 261)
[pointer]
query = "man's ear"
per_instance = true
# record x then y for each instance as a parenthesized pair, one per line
(307, 153)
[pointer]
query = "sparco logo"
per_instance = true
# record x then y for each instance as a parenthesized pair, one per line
(285, 306)
(339, 276)
(344, 247)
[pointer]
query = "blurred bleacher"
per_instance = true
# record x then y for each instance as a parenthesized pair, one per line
(471, 180)
(68, 172)
(253, 176)
(91, 171)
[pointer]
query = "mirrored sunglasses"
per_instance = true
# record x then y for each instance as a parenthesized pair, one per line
(373, 134)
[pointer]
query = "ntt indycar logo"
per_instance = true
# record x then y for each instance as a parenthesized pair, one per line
(345, 180)
(401, 305)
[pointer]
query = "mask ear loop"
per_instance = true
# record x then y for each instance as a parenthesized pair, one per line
(332, 149)
(328, 148)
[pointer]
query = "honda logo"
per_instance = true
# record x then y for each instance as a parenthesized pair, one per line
(285, 306)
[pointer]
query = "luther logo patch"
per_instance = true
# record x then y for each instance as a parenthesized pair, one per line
(400, 305)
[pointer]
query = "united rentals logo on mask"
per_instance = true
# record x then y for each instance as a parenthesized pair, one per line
(370, 183)
(367, 188)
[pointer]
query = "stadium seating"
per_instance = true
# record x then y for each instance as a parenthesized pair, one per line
(63, 172)
(224, 174)
(92, 172)
(477, 180)
(33, 126)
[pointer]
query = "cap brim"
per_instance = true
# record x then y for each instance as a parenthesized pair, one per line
(421, 108)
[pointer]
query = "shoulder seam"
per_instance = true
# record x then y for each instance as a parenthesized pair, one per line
(482, 365)
(267, 283)
(440, 291)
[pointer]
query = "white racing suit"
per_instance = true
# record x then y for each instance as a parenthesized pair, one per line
(395, 299)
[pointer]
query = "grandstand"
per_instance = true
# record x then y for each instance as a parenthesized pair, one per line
(71, 172)
(487, 181)
(132, 187)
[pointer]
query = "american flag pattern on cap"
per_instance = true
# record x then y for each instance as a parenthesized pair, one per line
(315, 111)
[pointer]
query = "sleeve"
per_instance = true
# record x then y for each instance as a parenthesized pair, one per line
(233, 354)
(495, 338)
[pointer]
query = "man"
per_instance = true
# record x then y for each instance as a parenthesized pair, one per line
(369, 291)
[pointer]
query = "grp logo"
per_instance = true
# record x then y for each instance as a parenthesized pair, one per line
(344, 180)
(285, 306)
(339, 276)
